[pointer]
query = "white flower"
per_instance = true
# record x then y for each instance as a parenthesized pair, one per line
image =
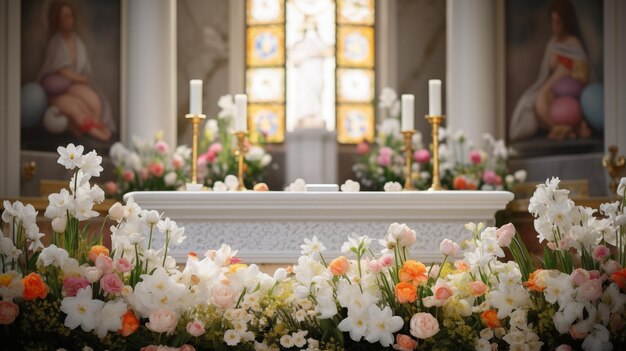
(286, 341)
(598, 340)
(621, 187)
(12, 286)
(482, 345)
(232, 337)
(70, 156)
(84, 209)
(506, 302)
(219, 186)
(255, 153)
(350, 186)
(232, 183)
(82, 310)
(170, 228)
(382, 324)
(520, 175)
(299, 339)
(298, 185)
(8, 249)
(559, 288)
(53, 255)
(131, 209)
(59, 224)
(227, 105)
(111, 317)
(170, 179)
(387, 97)
(90, 164)
(151, 217)
(392, 186)
(355, 324)
(58, 204)
(355, 244)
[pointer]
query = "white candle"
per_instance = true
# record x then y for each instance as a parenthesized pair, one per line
(434, 97)
(241, 115)
(195, 97)
(408, 104)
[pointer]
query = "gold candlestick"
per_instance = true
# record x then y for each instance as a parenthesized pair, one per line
(195, 123)
(614, 166)
(240, 151)
(435, 121)
(408, 149)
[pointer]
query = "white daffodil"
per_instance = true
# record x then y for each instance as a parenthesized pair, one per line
(111, 317)
(355, 324)
(381, 325)
(70, 156)
(90, 164)
(53, 255)
(82, 310)
(312, 247)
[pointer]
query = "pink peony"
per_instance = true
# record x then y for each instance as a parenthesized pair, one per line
(579, 276)
(404, 343)
(195, 328)
(591, 290)
(449, 247)
(161, 147)
(71, 285)
(123, 265)
(104, 264)
(8, 312)
(362, 148)
(223, 296)
(215, 148)
(111, 283)
(489, 177)
(162, 321)
(600, 252)
(421, 156)
(505, 234)
(424, 325)
(387, 151)
(475, 157)
(129, 175)
(386, 260)
(383, 160)
(374, 266)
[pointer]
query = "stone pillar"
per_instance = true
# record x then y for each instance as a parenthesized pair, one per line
(151, 70)
(311, 154)
(470, 83)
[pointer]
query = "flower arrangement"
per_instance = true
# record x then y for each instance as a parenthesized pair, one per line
(77, 293)
(219, 160)
(151, 166)
(463, 165)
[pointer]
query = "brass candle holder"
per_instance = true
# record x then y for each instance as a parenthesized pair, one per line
(196, 119)
(435, 121)
(408, 149)
(240, 151)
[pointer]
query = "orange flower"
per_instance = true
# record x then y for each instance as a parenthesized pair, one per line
(619, 278)
(461, 265)
(413, 271)
(406, 292)
(34, 287)
(534, 282)
(490, 318)
(478, 288)
(339, 266)
(96, 251)
(130, 323)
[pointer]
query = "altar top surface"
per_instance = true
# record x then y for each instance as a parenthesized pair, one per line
(323, 205)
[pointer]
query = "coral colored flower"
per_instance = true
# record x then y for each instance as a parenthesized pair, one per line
(490, 318)
(157, 169)
(478, 288)
(34, 287)
(406, 292)
(129, 176)
(413, 271)
(339, 266)
(534, 282)
(461, 265)
(619, 278)
(8, 312)
(130, 323)
(405, 343)
(362, 148)
(96, 251)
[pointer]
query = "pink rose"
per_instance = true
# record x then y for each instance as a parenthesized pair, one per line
(387, 151)
(383, 160)
(386, 260)
(498, 180)
(478, 288)
(110, 188)
(215, 148)
(177, 161)
(579, 276)
(407, 237)
(71, 285)
(449, 248)
(489, 177)
(161, 147)
(8, 312)
(111, 283)
(223, 296)
(123, 265)
(129, 175)
(421, 156)
(563, 347)
(104, 264)
(505, 235)
(442, 291)
(611, 266)
(404, 343)
(374, 266)
(600, 252)
(475, 157)
(424, 325)
(162, 321)
(591, 290)
(362, 148)
(195, 328)
(156, 169)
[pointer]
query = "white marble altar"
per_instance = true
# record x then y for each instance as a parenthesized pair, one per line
(269, 227)
(311, 154)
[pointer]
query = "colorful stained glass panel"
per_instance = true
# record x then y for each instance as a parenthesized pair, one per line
(267, 122)
(265, 46)
(356, 47)
(355, 85)
(356, 12)
(265, 84)
(355, 123)
(265, 11)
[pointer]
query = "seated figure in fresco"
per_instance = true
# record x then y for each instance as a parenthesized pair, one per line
(66, 76)
(564, 64)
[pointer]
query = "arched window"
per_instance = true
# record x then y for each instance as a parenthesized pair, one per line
(310, 63)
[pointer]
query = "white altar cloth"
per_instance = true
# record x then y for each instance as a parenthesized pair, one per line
(269, 227)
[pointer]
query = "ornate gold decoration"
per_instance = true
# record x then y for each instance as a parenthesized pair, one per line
(435, 121)
(240, 151)
(408, 149)
(195, 123)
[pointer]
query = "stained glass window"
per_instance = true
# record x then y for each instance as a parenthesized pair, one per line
(310, 63)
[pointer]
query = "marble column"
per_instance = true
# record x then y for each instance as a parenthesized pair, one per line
(471, 67)
(151, 70)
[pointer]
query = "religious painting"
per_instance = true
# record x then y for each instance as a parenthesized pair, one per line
(554, 76)
(354, 123)
(70, 74)
(266, 123)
